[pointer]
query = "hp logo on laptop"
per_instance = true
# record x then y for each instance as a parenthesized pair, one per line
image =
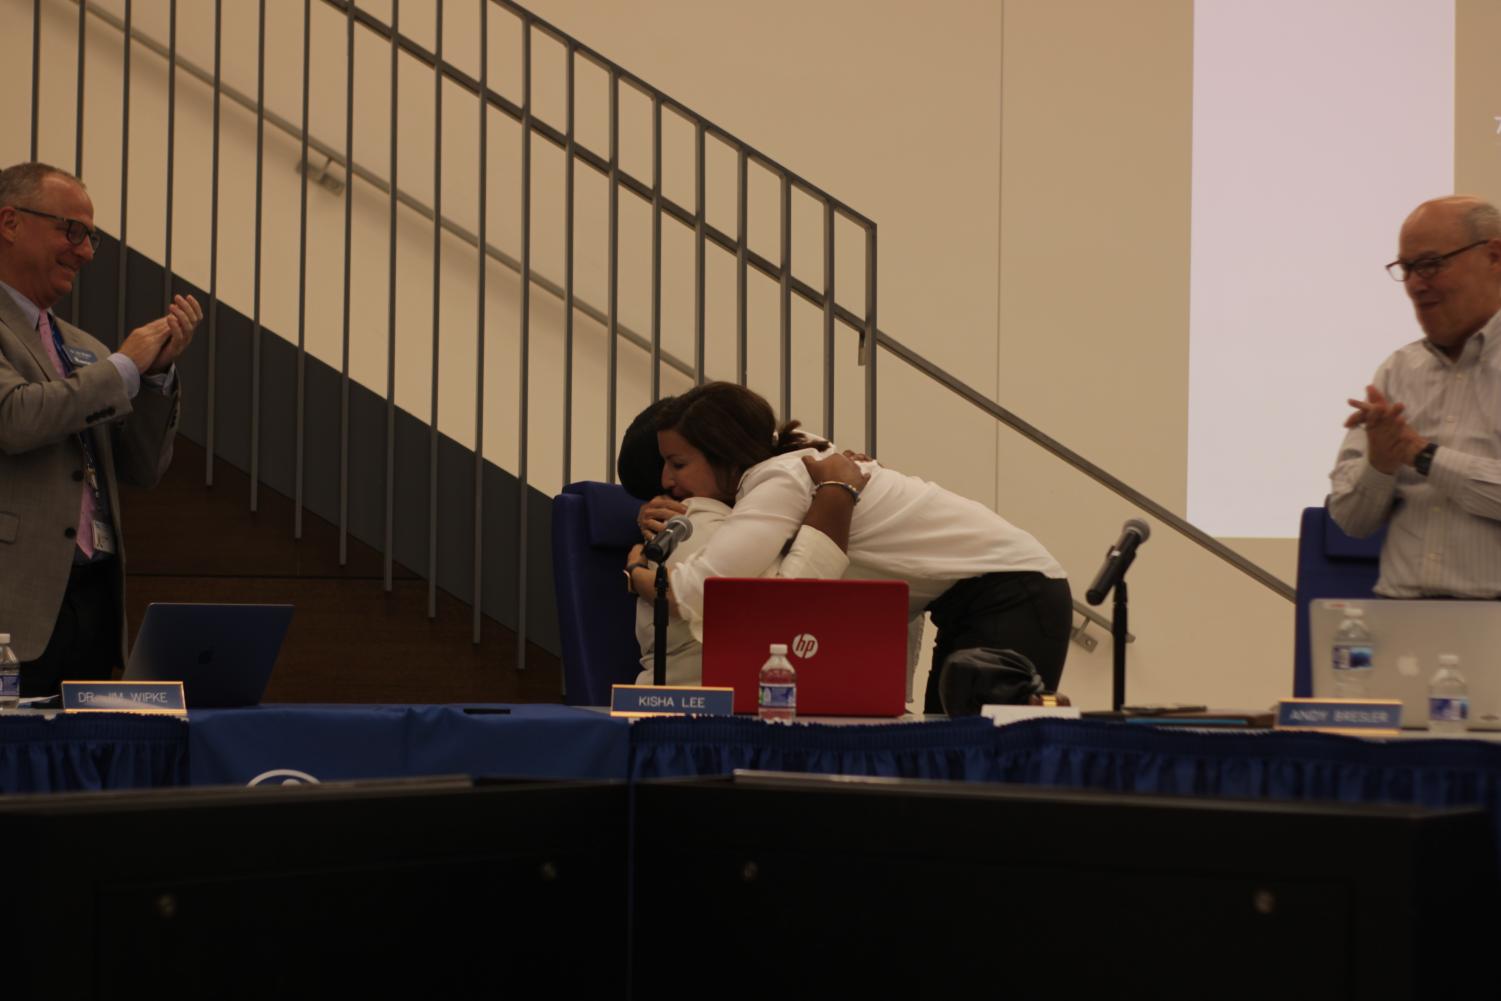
(804, 645)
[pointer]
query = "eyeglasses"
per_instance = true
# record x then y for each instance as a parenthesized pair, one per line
(1426, 267)
(76, 231)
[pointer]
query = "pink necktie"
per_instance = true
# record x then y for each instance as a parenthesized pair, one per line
(86, 505)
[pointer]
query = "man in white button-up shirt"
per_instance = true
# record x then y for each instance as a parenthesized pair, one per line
(1423, 454)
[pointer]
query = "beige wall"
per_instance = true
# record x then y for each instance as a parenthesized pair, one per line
(1027, 162)
(1477, 106)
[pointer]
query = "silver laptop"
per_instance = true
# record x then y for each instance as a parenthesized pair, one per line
(1408, 637)
(222, 654)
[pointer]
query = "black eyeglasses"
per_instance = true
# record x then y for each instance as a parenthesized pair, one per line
(76, 231)
(1426, 267)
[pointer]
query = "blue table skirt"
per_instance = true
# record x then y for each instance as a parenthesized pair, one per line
(304, 743)
(953, 749)
(549, 741)
(1086, 754)
(330, 743)
(91, 752)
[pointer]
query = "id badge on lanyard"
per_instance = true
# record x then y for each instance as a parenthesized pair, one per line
(73, 357)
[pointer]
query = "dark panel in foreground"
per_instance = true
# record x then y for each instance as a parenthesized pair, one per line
(825, 885)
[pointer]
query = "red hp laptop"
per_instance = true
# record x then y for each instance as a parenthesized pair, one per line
(846, 638)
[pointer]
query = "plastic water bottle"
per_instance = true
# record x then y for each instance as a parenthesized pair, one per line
(10, 674)
(1448, 697)
(1354, 655)
(778, 696)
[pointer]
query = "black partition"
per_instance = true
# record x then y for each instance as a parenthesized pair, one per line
(420, 888)
(765, 884)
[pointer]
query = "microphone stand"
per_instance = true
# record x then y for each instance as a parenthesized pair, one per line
(1118, 641)
(659, 629)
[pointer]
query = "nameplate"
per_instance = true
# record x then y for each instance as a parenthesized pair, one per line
(650, 700)
(1002, 715)
(124, 697)
(1365, 716)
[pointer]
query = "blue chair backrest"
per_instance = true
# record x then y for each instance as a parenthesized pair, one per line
(593, 529)
(1331, 564)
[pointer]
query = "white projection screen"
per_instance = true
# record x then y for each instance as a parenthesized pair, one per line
(1317, 126)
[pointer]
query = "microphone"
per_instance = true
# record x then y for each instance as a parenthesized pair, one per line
(677, 530)
(1133, 533)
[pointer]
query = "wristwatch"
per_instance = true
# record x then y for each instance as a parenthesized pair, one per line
(630, 582)
(1423, 461)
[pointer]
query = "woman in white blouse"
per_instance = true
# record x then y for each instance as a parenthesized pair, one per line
(816, 550)
(985, 582)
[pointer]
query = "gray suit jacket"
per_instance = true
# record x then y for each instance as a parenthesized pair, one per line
(41, 464)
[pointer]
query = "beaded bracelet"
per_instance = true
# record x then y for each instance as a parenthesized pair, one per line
(854, 490)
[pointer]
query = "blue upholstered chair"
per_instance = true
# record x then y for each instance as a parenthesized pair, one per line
(1330, 565)
(593, 529)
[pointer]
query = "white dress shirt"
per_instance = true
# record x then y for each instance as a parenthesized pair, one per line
(903, 527)
(1444, 530)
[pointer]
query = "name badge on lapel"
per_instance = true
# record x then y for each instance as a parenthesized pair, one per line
(79, 357)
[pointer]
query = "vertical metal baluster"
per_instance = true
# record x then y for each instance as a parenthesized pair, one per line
(786, 304)
(255, 327)
(613, 294)
(432, 436)
(523, 487)
(742, 330)
(167, 282)
(348, 269)
(568, 165)
(83, 13)
(307, 48)
(36, 75)
(479, 361)
(656, 247)
(870, 340)
(390, 537)
(568, 154)
(120, 295)
(213, 258)
(699, 209)
(828, 318)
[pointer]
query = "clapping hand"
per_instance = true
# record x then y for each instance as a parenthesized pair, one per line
(155, 346)
(1392, 442)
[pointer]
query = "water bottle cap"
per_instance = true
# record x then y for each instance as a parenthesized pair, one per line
(1448, 660)
(779, 649)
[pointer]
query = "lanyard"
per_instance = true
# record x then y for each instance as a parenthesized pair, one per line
(91, 465)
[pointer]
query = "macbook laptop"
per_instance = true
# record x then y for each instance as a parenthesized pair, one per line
(1407, 638)
(222, 654)
(846, 638)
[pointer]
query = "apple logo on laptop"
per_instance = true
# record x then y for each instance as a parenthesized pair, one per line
(805, 645)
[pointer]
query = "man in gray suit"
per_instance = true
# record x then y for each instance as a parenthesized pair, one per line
(74, 420)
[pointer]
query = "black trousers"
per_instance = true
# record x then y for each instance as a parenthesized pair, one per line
(1019, 610)
(85, 643)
